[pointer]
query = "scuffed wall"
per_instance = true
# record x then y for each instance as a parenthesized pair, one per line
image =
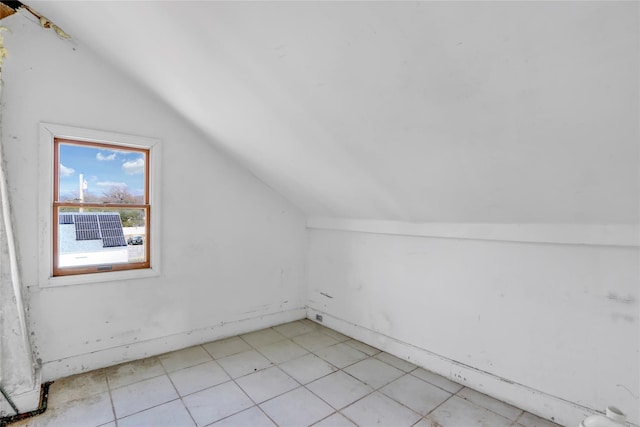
(559, 320)
(233, 249)
(17, 374)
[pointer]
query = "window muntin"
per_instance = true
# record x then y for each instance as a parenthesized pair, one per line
(101, 209)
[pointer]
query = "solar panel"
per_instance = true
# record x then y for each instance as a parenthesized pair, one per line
(111, 230)
(65, 218)
(87, 227)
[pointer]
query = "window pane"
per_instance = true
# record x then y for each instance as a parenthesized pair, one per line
(93, 173)
(97, 236)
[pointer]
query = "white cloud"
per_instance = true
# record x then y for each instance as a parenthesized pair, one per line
(65, 171)
(133, 167)
(111, 184)
(102, 157)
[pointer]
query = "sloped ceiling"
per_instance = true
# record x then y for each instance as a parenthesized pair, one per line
(415, 111)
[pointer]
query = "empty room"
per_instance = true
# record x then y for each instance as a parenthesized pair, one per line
(319, 213)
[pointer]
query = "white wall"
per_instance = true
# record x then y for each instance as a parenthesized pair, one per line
(552, 328)
(233, 255)
(492, 111)
(557, 321)
(17, 370)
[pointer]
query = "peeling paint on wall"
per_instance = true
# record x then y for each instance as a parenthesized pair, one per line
(3, 50)
(8, 8)
(46, 23)
(618, 298)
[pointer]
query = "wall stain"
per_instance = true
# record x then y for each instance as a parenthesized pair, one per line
(615, 298)
(623, 316)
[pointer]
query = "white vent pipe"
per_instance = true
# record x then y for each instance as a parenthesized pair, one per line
(614, 418)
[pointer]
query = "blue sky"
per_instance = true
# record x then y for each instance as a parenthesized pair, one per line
(102, 169)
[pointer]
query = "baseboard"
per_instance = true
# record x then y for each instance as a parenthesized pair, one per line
(61, 368)
(537, 402)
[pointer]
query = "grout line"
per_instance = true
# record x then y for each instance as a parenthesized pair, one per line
(437, 406)
(451, 361)
(255, 405)
(136, 361)
(176, 388)
(488, 409)
(113, 408)
(300, 385)
(339, 411)
(314, 353)
(147, 409)
(166, 373)
(379, 390)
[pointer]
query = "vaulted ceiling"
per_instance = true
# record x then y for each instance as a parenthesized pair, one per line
(414, 111)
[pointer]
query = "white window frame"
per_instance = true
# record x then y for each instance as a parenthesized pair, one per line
(49, 131)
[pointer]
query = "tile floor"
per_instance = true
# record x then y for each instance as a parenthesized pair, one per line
(296, 374)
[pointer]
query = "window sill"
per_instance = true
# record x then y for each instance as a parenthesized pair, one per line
(114, 276)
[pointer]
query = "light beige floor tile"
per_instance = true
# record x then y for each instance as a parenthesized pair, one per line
(296, 408)
(335, 420)
(133, 372)
(335, 335)
(88, 412)
(366, 349)
(30, 422)
(415, 394)
(282, 351)
(396, 362)
(307, 368)
(171, 414)
(217, 402)
(457, 412)
(142, 395)
(378, 409)
(77, 387)
(252, 417)
(313, 324)
(199, 377)
(293, 329)
(313, 341)
(340, 355)
(374, 372)
(262, 337)
(226, 347)
(437, 380)
(245, 363)
(529, 420)
(339, 389)
(490, 403)
(184, 358)
(265, 384)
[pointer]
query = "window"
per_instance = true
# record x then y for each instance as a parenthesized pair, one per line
(102, 205)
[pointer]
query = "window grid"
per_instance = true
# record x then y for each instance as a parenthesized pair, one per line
(90, 232)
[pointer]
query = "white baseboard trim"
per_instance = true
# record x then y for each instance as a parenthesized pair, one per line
(61, 368)
(537, 402)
